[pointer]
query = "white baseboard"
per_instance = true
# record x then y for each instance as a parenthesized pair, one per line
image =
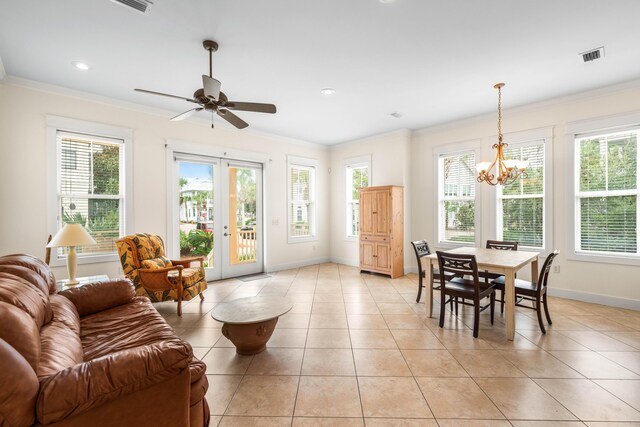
(632, 304)
(296, 264)
(346, 261)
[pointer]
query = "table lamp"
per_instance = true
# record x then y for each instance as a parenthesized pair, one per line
(71, 235)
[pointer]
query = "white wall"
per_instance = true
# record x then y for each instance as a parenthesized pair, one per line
(598, 282)
(398, 158)
(390, 165)
(23, 175)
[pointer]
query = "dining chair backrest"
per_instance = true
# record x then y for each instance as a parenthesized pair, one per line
(421, 248)
(544, 271)
(459, 265)
(502, 245)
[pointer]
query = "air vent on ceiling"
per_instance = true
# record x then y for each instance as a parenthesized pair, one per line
(140, 5)
(593, 54)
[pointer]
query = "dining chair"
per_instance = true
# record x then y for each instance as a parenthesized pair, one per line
(461, 288)
(421, 249)
(502, 245)
(534, 292)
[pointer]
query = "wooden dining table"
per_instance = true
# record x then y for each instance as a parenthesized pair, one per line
(495, 261)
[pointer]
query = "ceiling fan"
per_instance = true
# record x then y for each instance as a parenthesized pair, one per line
(210, 98)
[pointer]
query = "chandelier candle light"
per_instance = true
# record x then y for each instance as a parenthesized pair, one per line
(507, 171)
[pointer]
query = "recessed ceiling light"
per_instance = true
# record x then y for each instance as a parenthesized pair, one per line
(395, 114)
(81, 65)
(328, 91)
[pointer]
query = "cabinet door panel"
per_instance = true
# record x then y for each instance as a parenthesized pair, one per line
(367, 252)
(383, 252)
(381, 216)
(367, 207)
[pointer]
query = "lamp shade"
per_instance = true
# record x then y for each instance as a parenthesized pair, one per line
(71, 235)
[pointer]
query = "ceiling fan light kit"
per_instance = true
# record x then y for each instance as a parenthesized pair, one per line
(507, 171)
(212, 99)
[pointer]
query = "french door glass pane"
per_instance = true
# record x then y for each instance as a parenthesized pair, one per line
(196, 211)
(242, 215)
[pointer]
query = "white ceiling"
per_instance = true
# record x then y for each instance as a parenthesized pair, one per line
(433, 61)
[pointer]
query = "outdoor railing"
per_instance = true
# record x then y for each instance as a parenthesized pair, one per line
(245, 247)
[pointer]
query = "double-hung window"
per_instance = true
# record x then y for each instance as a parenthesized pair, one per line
(457, 197)
(607, 196)
(521, 204)
(357, 173)
(301, 184)
(90, 185)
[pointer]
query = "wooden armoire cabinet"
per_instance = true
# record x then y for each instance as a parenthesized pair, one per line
(382, 230)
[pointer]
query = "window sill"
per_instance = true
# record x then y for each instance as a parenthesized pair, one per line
(93, 259)
(604, 259)
(302, 239)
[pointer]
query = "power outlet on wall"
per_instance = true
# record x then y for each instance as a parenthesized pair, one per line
(556, 269)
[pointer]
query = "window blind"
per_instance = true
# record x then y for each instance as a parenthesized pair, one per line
(300, 200)
(607, 193)
(90, 191)
(521, 202)
(457, 202)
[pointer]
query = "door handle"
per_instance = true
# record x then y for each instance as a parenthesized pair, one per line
(226, 234)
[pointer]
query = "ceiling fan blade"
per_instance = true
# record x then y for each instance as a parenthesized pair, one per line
(211, 87)
(186, 114)
(233, 119)
(166, 94)
(251, 106)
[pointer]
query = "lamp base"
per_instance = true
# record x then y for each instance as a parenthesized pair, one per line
(71, 284)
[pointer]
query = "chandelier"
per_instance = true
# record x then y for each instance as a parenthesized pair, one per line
(507, 171)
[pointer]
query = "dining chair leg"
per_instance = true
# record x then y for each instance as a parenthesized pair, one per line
(476, 318)
(456, 305)
(501, 301)
(419, 288)
(539, 313)
(492, 309)
(443, 303)
(546, 308)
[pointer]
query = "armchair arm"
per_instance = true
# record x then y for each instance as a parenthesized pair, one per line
(94, 297)
(157, 278)
(186, 262)
(94, 383)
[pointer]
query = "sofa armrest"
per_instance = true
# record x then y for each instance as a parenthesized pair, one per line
(95, 297)
(91, 384)
(186, 262)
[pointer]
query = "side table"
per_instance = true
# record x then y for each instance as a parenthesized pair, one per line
(61, 285)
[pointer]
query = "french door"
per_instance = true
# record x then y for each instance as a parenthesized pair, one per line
(219, 214)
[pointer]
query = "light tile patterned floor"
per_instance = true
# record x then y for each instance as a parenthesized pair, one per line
(357, 350)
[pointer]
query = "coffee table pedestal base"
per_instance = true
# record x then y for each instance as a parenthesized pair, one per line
(249, 338)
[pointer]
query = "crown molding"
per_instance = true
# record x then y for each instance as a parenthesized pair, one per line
(575, 97)
(113, 102)
(401, 132)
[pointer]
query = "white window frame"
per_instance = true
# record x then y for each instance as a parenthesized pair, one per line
(580, 129)
(313, 165)
(522, 139)
(447, 150)
(57, 124)
(353, 163)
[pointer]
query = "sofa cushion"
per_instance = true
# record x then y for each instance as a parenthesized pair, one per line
(22, 294)
(123, 327)
(19, 330)
(99, 296)
(114, 376)
(160, 262)
(65, 312)
(32, 277)
(34, 264)
(19, 388)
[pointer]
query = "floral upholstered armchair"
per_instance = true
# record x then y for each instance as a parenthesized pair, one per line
(155, 276)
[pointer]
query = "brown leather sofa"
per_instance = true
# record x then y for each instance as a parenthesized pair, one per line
(95, 355)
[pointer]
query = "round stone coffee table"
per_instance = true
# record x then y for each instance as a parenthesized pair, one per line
(249, 322)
